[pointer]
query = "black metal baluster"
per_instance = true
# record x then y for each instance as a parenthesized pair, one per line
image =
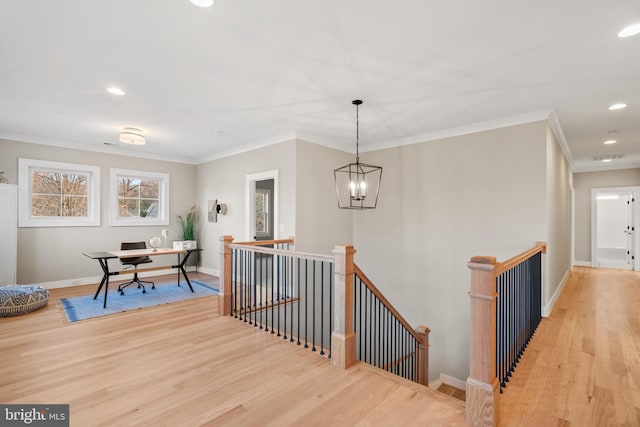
(278, 281)
(274, 265)
(330, 306)
(234, 304)
(365, 356)
(306, 299)
(299, 303)
(261, 288)
(378, 364)
(322, 308)
(285, 263)
(313, 312)
(250, 284)
(292, 284)
(359, 308)
(242, 273)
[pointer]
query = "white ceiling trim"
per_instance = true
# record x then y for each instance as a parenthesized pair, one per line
(598, 167)
(462, 130)
(556, 128)
(109, 149)
(276, 139)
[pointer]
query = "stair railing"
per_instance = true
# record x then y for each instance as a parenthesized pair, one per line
(384, 338)
(281, 291)
(506, 307)
(322, 302)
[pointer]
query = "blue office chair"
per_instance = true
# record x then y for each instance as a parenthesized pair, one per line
(135, 261)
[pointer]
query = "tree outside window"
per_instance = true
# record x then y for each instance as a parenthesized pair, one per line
(55, 194)
(139, 198)
(59, 194)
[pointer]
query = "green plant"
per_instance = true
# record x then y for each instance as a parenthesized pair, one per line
(187, 223)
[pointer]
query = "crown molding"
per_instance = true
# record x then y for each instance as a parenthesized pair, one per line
(556, 128)
(276, 139)
(110, 149)
(599, 168)
(462, 130)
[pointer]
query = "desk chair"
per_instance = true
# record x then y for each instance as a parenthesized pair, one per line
(126, 246)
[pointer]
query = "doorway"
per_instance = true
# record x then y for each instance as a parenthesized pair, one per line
(262, 205)
(614, 242)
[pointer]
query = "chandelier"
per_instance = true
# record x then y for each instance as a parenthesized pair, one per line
(357, 184)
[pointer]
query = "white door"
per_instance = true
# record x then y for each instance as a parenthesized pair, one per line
(614, 237)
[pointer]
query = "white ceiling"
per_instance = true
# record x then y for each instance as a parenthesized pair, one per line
(263, 71)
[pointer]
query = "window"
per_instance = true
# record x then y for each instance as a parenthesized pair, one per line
(139, 198)
(54, 194)
(262, 212)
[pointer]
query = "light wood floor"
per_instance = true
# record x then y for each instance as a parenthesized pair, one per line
(183, 365)
(582, 367)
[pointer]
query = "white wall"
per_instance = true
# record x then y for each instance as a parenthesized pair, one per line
(558, 238)
(441, 203)
(583, 183)
(224, 179)
(54, 254)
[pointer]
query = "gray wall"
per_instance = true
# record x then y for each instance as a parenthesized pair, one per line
(224, 179)
(441, 203)
(583, 183)
(320, 225)
(57, 251)
(558, 258)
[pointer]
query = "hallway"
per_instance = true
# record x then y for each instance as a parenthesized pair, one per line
(582, 366)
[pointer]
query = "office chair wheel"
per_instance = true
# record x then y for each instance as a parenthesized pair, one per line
(121, 293)
(153, 286)
(144, 291)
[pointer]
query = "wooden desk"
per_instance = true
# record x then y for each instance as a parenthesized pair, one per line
(104, 257)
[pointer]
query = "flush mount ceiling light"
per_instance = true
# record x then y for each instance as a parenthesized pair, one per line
(617, 106)
(630, 30)
(202, 3)
(357, 184)
(115, 91)
(132, 136)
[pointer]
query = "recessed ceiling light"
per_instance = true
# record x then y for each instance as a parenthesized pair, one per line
(606, 160)
(630, 30)
(115, 91)
(610, 141)
(617, 106)
(203, 3)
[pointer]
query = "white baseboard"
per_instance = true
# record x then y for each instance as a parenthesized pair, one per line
(92, 280)
(582, 263)
(548, 307)
(453, 382)
(209, 271)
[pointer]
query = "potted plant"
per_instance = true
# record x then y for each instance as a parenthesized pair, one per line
(187, 229)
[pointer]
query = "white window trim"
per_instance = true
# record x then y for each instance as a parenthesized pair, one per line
(163, 209)
(25, 219)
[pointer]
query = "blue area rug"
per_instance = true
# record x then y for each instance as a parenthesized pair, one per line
(85, 307)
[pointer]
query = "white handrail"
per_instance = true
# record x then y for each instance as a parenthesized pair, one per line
(284, 252)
